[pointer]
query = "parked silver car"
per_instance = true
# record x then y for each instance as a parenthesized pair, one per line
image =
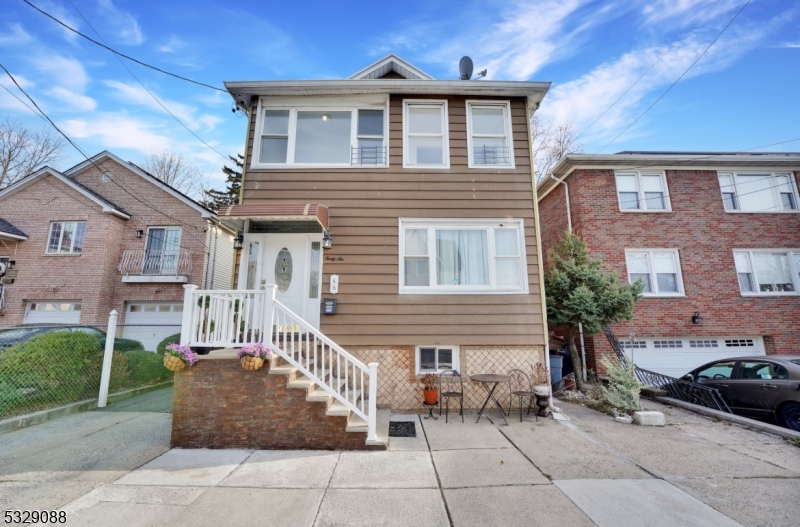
(761, 386)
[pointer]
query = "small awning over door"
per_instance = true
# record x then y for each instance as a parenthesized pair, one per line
(283, 211)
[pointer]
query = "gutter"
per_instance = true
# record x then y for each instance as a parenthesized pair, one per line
(580, 324)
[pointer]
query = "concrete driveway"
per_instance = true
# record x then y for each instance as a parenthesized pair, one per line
(116, 468)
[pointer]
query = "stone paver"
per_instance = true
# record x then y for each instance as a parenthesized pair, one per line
(194, 468)
(272, 507)
(384, 508)
(409, 443)
(129, 515)
(655, 503)
(532, 506)
(384, 470)
(147, 495)
(284, 469)
(484, 468)
(460, 436)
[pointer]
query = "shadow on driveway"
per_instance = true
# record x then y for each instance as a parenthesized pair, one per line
(158, 401)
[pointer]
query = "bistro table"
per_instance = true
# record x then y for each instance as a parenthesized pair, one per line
(486, 379)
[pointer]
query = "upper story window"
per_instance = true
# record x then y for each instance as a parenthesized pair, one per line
(321, 137)
(162, 250)
(768, 271)
(762, 192)
(642, 191)
(659, 269)
(489, 134)
(425, 134)
(462, 256)
(66, 237)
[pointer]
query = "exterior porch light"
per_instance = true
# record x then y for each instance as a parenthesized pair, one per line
(238, 241)
(697, 318)
(139, 233)
(327, 241)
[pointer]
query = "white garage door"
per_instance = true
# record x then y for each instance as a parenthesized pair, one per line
(52, 312)
(677, 357)
(150, 322)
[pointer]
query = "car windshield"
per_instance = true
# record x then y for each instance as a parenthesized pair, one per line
(795, 361)
(11, 334)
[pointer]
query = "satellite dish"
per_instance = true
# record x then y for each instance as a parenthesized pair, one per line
(465, 68)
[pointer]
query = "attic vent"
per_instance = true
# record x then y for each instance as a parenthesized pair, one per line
(106, 177)
(739, 343)
(703, 344)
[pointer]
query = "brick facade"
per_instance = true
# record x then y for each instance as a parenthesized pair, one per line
(220, 405)
(92, 277)
(704, 235)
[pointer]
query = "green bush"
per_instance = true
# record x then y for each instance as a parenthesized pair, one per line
(127, 345)
(172, 339)
(49, 370)
(621, 395)
(145, 367)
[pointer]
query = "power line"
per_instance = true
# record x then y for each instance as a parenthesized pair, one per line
(122, 54)
(74, 145)
(645, 73)
(145, 88)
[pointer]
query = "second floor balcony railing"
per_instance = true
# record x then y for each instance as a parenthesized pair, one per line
(156, 263)
(490, 155)
(368, 155)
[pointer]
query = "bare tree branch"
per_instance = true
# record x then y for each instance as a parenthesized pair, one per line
(551, 142)
(175, 171)
(22, 152)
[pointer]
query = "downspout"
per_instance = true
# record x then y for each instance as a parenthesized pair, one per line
(569, 226)
(540, 260)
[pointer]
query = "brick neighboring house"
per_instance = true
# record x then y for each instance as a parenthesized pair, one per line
(715, 234)
(83, 242)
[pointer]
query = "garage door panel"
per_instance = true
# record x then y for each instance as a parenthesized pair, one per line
(150, 323)
(52, 312)
(676, 357)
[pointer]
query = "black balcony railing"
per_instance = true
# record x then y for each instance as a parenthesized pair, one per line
(368, 155)
(490, 155)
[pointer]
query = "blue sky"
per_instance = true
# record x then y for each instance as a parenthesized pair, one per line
(743, 93)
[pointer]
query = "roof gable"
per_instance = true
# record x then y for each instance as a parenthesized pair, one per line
(107, 206)
(7, 230)
(204, 212)
(388, 64)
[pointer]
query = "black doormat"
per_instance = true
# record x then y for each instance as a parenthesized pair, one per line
(402, 429)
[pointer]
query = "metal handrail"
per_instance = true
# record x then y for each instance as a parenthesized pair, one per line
(156, 262)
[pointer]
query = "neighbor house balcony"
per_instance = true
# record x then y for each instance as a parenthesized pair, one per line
(156, 266)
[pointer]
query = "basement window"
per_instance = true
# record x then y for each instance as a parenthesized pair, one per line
(436, 359)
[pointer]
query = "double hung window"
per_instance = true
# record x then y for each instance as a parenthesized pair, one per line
(768, 271)
(321, 137)
(489, 133)
(763, 192)
(441, 256)
(66, 237)
(658, 269)
(425, 134)
(642, 191)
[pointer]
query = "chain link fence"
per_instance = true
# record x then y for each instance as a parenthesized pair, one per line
(44, 367)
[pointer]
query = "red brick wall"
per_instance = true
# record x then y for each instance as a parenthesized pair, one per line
(705, 236)
(252, 410)
(93, 276)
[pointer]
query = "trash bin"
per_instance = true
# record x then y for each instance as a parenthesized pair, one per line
(556, 365)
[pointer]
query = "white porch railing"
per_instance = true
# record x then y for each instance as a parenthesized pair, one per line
(236, 318)
(156, 263)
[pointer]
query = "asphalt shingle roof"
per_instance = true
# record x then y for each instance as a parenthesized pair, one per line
(6, 227)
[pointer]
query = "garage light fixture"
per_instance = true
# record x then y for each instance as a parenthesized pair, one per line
(139, 233)
(697, 318)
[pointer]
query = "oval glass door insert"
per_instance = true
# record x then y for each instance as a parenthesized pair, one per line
(283, 270)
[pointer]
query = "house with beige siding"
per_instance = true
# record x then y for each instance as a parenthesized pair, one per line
(391, 219)
(104, 235)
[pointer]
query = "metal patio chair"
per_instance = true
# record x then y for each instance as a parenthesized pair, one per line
(451, 386)
(521, 387)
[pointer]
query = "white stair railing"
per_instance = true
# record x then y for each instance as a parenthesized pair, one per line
(236, 318)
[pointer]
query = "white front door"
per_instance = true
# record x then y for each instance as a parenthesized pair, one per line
(290, 261)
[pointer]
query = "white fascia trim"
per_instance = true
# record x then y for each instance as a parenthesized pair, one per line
(17, 237)
(136, 170)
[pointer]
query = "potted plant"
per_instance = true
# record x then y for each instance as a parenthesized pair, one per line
(429, 389)
(252, 357)
(178, 357)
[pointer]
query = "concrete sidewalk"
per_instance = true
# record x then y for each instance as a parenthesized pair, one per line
(590, 471)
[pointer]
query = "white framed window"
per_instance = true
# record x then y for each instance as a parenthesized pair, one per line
(425, 134)
(642, 191)
(441, 256)
(66, 237)
(659, 269)
(489, 139)
(162, 251)
(768, 271)
(435, 359)
(334, 134)
(759, 192)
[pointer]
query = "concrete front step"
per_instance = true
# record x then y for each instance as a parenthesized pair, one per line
(357, 424)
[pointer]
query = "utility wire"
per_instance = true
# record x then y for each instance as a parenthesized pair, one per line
(48, 15)
(79, 149)
(645, 73)
(145, 87)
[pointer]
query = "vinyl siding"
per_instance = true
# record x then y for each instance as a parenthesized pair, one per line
(365, 205)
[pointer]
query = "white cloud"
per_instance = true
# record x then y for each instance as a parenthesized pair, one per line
(117, 131)
(172, 45)
(62, 71)
(17, 36)
(123, 24)
(686, 11)
(66, 16)
(790, 45)
(76, 101)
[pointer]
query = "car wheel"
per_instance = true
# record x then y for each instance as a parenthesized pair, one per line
(790, 416)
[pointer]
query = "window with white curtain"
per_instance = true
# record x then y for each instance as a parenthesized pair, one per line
(425, 134)
(639, 191)
(764, 192)
(658, 269)
(768, 271)
(469, 256)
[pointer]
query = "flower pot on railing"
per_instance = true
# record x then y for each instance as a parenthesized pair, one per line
(178, 357)
(253, 357)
